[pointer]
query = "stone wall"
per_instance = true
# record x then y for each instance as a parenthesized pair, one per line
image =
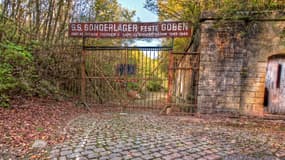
(234, 55)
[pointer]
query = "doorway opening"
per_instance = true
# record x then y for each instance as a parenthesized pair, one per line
(274, 97)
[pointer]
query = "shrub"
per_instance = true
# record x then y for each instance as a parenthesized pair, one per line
(154, 86)
(132, 86)
(16, 71)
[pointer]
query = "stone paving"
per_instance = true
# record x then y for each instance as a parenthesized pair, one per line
(148, 136)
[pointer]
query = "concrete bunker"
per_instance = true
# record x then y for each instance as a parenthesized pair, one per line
(234, 58)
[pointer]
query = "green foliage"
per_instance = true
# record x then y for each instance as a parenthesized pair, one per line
(154, 86)
(110, 10)
(40, 129)
(45, 59)
(7, 82)
(16, 71)
(4, 101)
(45, 88)
(133, 86)
(192, 10)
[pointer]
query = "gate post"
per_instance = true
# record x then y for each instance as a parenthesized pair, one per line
(170, 78)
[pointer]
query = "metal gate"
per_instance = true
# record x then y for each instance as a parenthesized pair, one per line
(147, 77)
(184, 78)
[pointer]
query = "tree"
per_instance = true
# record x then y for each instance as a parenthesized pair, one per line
(46, 21)
(190, 10)
(41, 27)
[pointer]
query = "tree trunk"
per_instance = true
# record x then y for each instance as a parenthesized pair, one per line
(58, 14)
(61, 30)
(38, 16)
(5, 6)
(30, 19)
(50, 16)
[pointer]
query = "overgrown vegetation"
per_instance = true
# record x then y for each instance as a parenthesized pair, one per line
(36, 55)
(154, 86)
(191, 11)
(16, 71)
(19, 75)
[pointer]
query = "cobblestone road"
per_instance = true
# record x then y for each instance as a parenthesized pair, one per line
(148, 136)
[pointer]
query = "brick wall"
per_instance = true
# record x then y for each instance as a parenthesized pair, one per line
(234, 57)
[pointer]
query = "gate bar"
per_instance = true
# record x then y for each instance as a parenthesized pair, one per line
(124, 47)
(170, 75)
(186, 53)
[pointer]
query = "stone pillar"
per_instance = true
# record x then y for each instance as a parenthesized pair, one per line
(220, 67)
